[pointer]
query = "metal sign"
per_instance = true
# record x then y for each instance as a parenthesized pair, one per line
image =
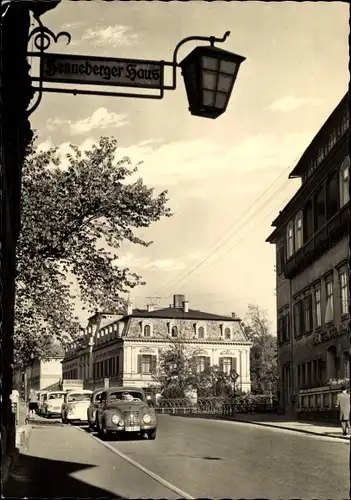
(89, 70)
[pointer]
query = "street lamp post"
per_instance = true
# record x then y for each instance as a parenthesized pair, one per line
(91, 361)
(209, 72)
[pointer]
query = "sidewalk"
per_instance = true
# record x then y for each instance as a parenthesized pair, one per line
(282, 422)
(63, 462)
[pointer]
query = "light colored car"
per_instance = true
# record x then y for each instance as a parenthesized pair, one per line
(52, 403)
(125, 410)
(75, 406)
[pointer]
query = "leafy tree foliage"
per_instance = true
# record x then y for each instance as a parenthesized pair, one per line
(263, 355)
(177, 374)
(74, 220)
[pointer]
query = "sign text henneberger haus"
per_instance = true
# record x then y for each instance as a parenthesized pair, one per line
(90, 70)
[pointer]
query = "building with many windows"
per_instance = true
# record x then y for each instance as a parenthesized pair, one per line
(312, 271)
(125, 348)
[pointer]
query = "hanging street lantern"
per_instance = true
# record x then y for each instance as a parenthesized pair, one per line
(209, 75)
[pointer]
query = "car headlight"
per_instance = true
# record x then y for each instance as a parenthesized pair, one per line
(146, 418)
(116, 419)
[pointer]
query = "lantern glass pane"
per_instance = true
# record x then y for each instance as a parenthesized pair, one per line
(209, 80)
(210, 63)
(224, 82)
(221, 100)
(208, 97)
(228, 67)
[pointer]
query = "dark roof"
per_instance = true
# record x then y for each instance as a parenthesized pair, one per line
(298, 169)
(178, 313)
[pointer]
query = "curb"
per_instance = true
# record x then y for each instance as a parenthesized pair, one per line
(264, 424)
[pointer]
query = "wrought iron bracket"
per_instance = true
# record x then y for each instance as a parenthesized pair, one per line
(43, 37)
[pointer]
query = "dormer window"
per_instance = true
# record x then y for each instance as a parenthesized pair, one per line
(290, 239)
(147, 331)
(174, 331)
(227, 333)
(298, 231)
(201, 332)
(344, 181)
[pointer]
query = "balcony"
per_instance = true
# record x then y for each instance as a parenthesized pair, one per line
(329, 234)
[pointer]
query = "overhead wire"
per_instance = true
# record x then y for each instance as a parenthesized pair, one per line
(171, 282)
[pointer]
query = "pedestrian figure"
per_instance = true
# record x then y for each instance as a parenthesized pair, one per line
(343, 403)
(32, 402)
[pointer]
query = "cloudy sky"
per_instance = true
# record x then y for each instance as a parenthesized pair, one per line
(227, 178)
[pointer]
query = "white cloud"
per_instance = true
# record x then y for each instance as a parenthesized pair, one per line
(165, 265)
(113, 36)
(291, 103)
(132, 261)
(101, 119)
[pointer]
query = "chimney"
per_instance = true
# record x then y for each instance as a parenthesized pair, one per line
(234, 316)
(129, 308)
(185, 306)
(150, 308)
(178, 301)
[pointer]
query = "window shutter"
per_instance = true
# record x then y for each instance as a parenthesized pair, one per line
(301, 316)
(220, 364)
(287, 326)
(139, 363)
(234, 364)
(117, 365)
(153, 364)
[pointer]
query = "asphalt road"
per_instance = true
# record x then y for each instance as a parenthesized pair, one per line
(190, 458)
(221, 459)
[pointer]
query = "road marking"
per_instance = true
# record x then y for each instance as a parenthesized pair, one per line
(154, 476)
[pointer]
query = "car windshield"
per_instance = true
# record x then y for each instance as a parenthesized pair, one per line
(78, 397)
(56, 395)
(126, 397)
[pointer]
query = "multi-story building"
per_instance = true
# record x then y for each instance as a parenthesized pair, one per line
(39, 375)
(125, 348)
(312, 271)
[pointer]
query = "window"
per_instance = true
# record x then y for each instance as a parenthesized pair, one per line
(344, 293)
(298, 318)
(332, 195)
(227, 333)
(329, 310)
(344, 181)
(307, 221)
(290, 239)
(147, 331)
(318, 310)
(201, 332)
(146, 363)
(226, 365)
(284, 327)
(319, 209)
(307, 314)
(203, 362)
(298, 231)
(346, 365)
(174, 331)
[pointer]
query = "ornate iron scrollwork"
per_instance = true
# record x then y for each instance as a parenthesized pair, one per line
(42, 38)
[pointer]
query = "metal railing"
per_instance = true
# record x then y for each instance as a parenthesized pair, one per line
(212, 406)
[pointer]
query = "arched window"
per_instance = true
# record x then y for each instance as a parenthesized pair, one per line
(147, 331)
(227, 333)
(201, 332)
(344, 181)
(174, 332)
(290, 239)
(298, 231)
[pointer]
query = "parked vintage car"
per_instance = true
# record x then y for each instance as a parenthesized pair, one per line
(91, 411)
(125, 410)
(52, 403)
(75, 405)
